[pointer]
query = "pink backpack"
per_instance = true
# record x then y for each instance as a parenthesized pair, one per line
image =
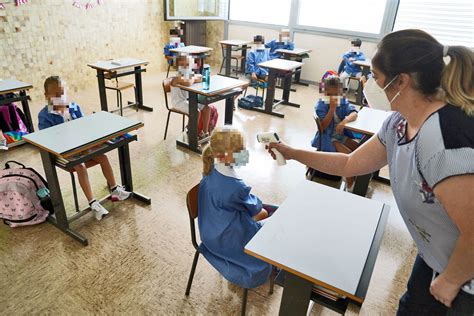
(20, 192)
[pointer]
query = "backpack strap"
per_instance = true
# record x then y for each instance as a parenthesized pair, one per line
(6, 221)
(7, 164)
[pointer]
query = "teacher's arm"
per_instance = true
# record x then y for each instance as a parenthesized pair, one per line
(456, 195)
(368, 158)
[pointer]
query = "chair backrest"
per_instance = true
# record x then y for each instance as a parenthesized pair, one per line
(192, 204)
(166, 90)
(319, 125)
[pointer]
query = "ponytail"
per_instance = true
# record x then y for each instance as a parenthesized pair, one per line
(456, 78)
(207, 160)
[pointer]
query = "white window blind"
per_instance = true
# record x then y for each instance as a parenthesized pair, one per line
(261, 11)
(364, 16)
(451, 22)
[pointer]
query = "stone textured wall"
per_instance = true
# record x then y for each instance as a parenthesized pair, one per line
(215, 34)
(49, 37)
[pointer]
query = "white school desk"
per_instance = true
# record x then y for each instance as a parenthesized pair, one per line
(368, 122)
(221, 87)
(324, 236)
(229, 44)
(116, 68)
(285, 69)
(15, 86)
(88, 136)
(297, 54)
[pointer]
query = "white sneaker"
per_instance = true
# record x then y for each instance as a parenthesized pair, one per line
(98, 210)
(119, 194)
(3, 144)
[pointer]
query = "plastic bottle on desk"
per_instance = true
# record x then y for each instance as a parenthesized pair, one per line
(206, 77)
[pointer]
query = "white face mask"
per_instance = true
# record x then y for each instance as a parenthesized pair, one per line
(327, 99)
(241, 158)
(355, 49)
(376, 96)
(61, 101)
(260, 46)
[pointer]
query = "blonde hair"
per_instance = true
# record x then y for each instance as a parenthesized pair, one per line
(222, 141)
(457, 78)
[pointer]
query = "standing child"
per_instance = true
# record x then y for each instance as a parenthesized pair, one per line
(228, 213)
(179, 97)
(335, 111)
(59, 110)
(350, 69)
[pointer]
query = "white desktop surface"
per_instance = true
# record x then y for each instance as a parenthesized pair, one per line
(116, 64)
(281, 64)
(321, 234)
(192, 49)
(295, 51)
(369, 121)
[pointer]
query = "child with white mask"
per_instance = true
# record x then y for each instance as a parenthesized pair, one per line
(350, 68)
(228, 213)
(259, 55)
(334, 111)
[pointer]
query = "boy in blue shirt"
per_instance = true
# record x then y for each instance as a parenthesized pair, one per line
(351, 69)
(334, 111)
(284, 42)
(255, 57)
(59, 110)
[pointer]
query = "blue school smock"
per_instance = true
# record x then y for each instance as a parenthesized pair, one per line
(47, 119)
(255, 57)
(342, 111)
(274, 45)
(349, 67)
(225, 211)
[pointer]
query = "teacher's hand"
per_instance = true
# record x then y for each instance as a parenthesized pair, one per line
(285, 150)
(443, 290)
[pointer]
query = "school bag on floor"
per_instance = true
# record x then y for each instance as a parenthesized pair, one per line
(250, 102)
(24, 196)
(212, 120)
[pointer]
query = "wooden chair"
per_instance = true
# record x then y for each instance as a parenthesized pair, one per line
(192, 205)
(166, 90)
(119, 87)
(232, 57)
(318, 176)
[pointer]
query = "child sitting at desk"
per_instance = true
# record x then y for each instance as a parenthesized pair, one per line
(350, 69)
(255, 57)
(228, 213)
(284, 42)
(179, 97)
(335, 111)
(59, 110)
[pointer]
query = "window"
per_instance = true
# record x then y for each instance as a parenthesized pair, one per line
(261, 11)
(364, 16)
(450, 22)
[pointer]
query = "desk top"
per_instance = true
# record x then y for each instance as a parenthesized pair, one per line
(218, 85)
(294, 52)
(235, 42)
(192, 49)
(369, 121)
(281, 64)
(320, 234)
(12, 85)
(116, 64)
(70, 138)
(364, 63)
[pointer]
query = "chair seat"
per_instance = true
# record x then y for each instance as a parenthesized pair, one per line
(237, 57)
(179, 111)
(120, 86)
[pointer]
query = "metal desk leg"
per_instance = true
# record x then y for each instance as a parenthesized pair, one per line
(244, 60)
(102, 93)
(228, 59)
(126, 173)
(192, 125)
(298, 74)
(286, 91)
(59, 218)
(26, 111)
(229, 110)
(296, 296)
(139, 92)
(362, 184)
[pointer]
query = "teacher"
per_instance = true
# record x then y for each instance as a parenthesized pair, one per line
(428, 143)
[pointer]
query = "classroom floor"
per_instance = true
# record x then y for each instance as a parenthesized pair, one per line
(139, 257)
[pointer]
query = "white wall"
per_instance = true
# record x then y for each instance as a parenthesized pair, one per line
(326, 53)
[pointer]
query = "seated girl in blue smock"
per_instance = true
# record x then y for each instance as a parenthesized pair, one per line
(228, 213)
(334, 111)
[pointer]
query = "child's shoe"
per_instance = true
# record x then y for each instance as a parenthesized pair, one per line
(119, 194)
(98, 210)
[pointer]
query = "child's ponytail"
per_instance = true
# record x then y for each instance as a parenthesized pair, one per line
(456, 78)
(207, 160)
